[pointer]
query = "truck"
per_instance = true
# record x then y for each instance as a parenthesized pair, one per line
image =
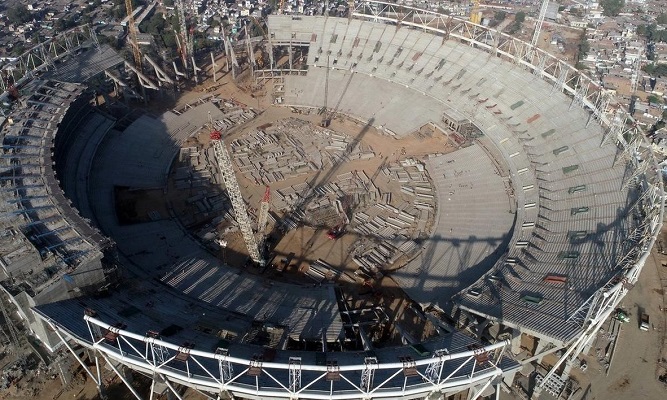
(644, 322)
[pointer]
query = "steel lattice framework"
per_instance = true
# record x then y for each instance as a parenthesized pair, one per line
(591, 97)
(43, 56)
(234, 192)
(222, 372)
(565, 77)
(619, 128)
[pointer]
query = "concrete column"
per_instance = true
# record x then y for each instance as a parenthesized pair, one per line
(270, 51)
(516, 341)
(289, 51)
(508, 378)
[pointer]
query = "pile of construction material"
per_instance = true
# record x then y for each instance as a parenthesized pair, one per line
(389, 229)
(414, 182)
(384, 239)
(197, 164)
(232, 116)
(25, 377)
(197, 168)
(319, 271)
(357, 188)
(292, 147)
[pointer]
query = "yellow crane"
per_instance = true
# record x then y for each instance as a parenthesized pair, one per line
(475, 15)
(132, 27)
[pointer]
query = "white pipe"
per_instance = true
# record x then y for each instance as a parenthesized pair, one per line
(479, 393)
(166, 382)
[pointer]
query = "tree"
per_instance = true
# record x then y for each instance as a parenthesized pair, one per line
(86, 19)
(59, 25)
(662, 18)
(518, 21)
(169, 40)
(641, 30)
(611, 8)
(499, 16)
(155, 25)
(583, 47)
(168, 3)
(656, 70)
(653, 99)
(520, 17)
(18, 14)
(18, 49)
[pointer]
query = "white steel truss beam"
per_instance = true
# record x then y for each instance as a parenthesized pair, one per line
(130, 349)
(43, 56)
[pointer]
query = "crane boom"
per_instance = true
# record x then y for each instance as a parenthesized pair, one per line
(185, 48)
(132, 28)
(234, 193)
(540, 21)
(263, 217)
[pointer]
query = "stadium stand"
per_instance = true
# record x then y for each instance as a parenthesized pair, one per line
(564, 222)
(571, 188)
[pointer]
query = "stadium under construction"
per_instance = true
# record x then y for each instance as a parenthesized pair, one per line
(166, 245)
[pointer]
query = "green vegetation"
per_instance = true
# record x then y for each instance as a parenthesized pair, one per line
(662, 18)
(155, 25)
(18, 14)
(518, 21)
(656, 70)
(653, 99)
(18, 49)
(63, 24)
(119, 11)
(499, 16)
(583, 47)
(611, 8)
(169, 39)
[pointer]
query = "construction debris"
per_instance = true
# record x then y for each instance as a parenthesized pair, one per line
(290, 148)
